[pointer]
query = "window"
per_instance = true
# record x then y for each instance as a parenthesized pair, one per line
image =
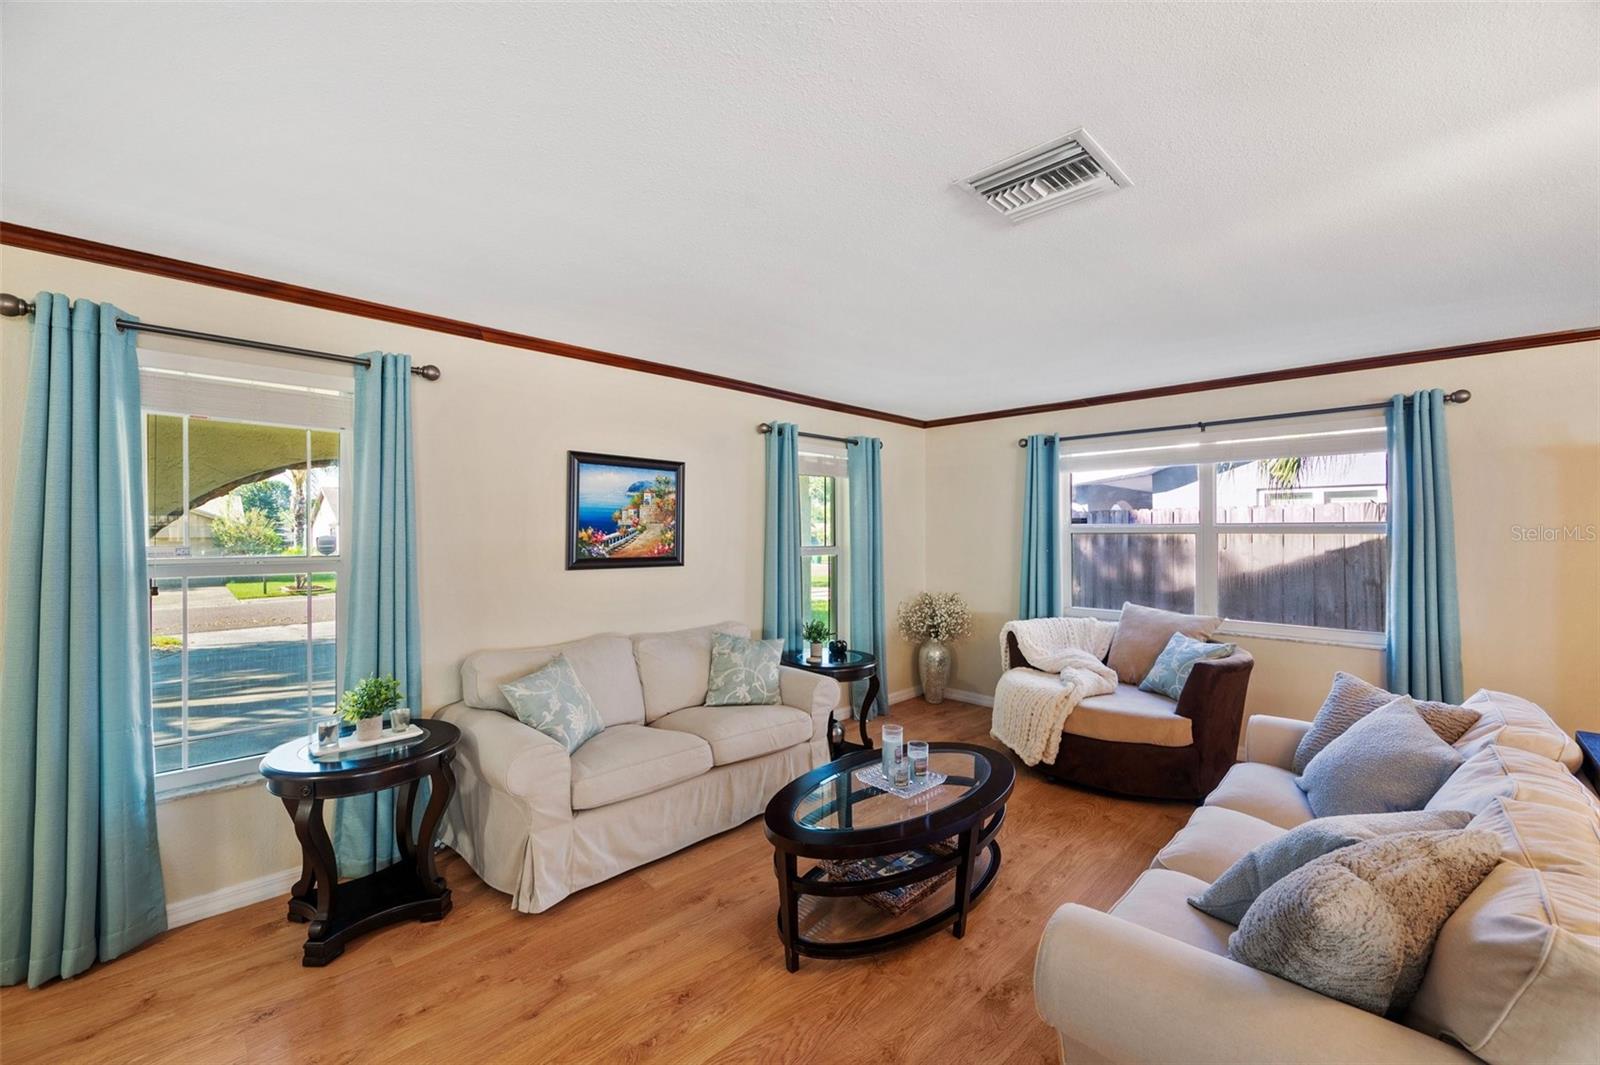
(245, 546)
(822, 504)
(1283, 534)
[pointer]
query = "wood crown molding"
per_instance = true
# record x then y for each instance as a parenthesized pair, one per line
(41, 240)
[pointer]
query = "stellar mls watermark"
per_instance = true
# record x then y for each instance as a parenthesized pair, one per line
(1554, 534)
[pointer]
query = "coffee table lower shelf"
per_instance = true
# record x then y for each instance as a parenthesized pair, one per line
(810, 903)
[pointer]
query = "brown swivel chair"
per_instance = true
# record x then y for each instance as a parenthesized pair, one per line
(1138, 743)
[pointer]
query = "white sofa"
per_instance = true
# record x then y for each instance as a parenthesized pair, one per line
(665, 772)
(1515, 973)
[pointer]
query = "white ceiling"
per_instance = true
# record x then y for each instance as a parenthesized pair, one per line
(765, 191)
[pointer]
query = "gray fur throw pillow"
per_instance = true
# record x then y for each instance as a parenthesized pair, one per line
(1243, 881)
(1358, 924)
(1351, 699)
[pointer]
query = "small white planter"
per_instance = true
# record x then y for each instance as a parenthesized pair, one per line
(369, 728)
(816, 651)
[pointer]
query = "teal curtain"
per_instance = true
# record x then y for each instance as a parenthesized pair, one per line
(80, 871)
(783, 570)
(868, 630)
(382, 625)
(1424, 617)
(1041, 531)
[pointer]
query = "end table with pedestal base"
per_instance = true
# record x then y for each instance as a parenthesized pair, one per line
(410, 888)
(852, 665)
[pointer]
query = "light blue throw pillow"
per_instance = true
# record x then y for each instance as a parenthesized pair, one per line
(1231, 894)
(1389, 760)
(1176, 661)
(743, 672)
(553, 701)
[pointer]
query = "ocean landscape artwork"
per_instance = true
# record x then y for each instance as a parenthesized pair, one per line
(623, 511)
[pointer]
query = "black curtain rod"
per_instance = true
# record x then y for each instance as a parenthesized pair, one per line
(766, 427)
(1460, 395)
(17, 307)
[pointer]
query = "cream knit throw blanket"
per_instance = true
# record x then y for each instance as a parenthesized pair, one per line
(1031, 707)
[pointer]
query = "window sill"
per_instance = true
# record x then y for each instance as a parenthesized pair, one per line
(1372, 641)
(187, 791)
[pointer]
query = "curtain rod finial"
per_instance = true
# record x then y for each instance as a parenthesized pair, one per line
(14, 306)
(1460, 395)
(764, 428)
(429, 372)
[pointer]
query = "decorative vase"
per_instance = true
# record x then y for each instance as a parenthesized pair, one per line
(816, 651)
(369, 728)
(933, 666)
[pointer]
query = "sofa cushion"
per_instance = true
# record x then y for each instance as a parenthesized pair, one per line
(675, 667)
(628, 760)
(1510, 773)
(1515, 974)
(1233, 892)
(1512, 721)
(1214, 839)
(1143, 631)
(551, 700)
(1351, 699)
(1263, 791)
(604, 665)
(1389, 760)
(1158, 900)
(736, 733)
(1359, 923)
(744, 672)
(1129, 715)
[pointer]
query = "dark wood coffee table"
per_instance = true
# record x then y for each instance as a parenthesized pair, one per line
(829, 813)
(410, 888)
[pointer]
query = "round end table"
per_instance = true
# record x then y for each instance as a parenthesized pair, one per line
(852, 665)
(408, 889)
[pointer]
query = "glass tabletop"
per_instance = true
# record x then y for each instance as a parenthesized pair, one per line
(843, 802)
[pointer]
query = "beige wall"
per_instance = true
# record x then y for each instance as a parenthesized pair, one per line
(491, 440)
(1524, 452)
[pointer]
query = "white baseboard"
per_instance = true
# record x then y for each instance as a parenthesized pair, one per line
(903, 694)
(198, 907)
(976, 698)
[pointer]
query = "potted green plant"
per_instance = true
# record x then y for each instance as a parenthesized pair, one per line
(815, 631)
(366, 703)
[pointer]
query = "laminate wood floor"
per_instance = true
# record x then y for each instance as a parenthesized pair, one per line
(676, 962)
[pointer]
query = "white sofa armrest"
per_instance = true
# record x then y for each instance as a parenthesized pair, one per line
(1272, 740)
(1121, 992)
(812, 692)
(515, 759)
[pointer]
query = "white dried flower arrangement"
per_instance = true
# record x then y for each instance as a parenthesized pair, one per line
(942, 616)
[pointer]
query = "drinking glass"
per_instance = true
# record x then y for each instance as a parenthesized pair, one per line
(399, 719)
(893, 737)
(918, 751)
(324, 734)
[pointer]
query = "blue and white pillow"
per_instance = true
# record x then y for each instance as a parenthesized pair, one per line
(1176, 661)
(743, 672)
(552, 700)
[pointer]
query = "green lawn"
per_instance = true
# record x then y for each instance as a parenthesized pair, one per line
(277, 587)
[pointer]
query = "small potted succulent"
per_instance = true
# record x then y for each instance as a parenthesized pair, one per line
(366, 703)
(815, 631)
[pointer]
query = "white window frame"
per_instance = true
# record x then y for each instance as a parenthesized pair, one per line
(1348, 434)
(822, 458)
(196, 387)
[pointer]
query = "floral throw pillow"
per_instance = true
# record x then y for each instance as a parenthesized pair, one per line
(743, 672)
(553, 701)
(1176, 661)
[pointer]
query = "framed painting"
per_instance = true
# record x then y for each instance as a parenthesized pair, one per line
(623, 511)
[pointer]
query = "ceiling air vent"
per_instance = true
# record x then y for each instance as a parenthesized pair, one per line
(1052, 175)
